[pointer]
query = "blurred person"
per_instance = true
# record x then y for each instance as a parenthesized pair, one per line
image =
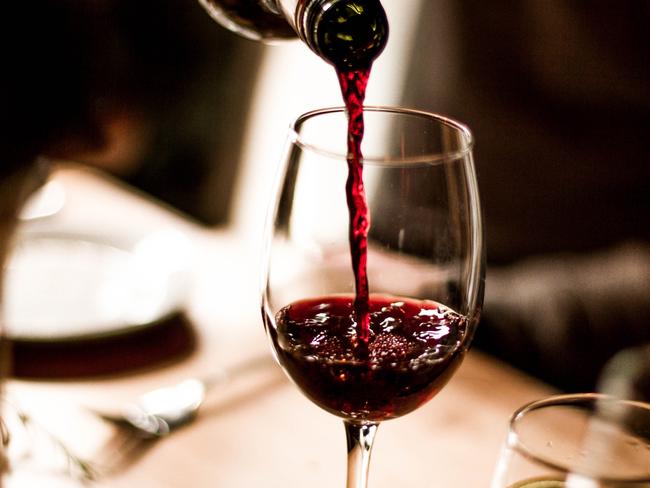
(557, 95)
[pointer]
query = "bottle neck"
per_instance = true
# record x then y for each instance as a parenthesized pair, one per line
(349, 34)
(259, 20)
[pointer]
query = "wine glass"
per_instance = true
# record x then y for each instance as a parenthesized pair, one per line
(373, 357)
(583, 440)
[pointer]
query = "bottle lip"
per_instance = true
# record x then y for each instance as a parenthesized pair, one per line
(465, 145)
(309, 16)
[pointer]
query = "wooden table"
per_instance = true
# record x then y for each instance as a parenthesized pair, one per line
(259, 430)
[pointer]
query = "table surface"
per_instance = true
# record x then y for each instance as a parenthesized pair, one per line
(256, 430)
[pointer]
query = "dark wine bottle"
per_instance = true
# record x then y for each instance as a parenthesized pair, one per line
(349, 34)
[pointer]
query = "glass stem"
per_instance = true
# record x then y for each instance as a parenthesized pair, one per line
(360, 437)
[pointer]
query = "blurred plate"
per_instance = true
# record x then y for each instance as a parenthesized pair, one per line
(69, 287)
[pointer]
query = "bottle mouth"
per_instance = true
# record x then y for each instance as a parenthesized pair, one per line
(350, 34)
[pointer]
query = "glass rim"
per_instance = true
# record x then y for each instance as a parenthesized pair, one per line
(431, 158)
(515, 442)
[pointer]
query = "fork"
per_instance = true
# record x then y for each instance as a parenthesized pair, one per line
(150, 417)
(159, 412)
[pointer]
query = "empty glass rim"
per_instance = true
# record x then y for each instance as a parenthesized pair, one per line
(514, 440)
(430, 158)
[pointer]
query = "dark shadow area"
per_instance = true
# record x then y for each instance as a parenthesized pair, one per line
(154, 345)
(154, 92)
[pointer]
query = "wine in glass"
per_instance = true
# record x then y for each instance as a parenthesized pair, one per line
(371, 320)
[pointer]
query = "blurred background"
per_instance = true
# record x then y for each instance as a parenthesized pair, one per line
(158, 95)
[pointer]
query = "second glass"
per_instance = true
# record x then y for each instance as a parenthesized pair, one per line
(583, 440)
(425, 267)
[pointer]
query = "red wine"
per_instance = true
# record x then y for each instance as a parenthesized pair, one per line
(346, 26)
(353, 86)
(413, 349)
